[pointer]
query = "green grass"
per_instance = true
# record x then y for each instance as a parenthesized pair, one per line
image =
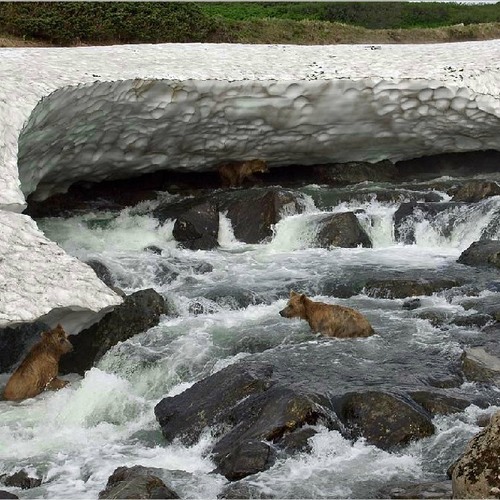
(75, 23)
(380, 15)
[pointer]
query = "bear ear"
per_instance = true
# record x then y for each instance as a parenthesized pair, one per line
(293, 294)
(303, 297)
(45, 335)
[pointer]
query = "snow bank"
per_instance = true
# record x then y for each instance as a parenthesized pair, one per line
(311, 103)
(94, 113)
(39, 280)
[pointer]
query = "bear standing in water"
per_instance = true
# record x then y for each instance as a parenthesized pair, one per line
(38, 372)
(233, 174)
(328, 319)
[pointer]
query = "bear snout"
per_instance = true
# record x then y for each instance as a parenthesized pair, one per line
(283, 313)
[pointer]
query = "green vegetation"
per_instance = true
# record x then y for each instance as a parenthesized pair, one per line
(76, 23)
(382, 15)
(95, 22)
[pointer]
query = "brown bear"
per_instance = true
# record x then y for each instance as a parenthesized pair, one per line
(233, 174)
(328, 319)
(38, 371)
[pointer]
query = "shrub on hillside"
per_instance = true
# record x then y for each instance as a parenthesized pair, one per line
(94, 22)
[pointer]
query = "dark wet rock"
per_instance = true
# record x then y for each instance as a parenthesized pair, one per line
(198, 228)
(481, 365)
(20, 479)
(233, 297)
(476, 190)
(482, 253)
(203, 306)
(16, 341)
(102, 272)
(493, 330)
(452, 379)
(354, 172)
(427, 491)
(138, 312)
(153, 249)
(213, 398)
(253, 212)
(196, 224)
(436, 317)
(243, 490)
(385, 420)
(202, 268)
(136, 482)
(411, 304)
(475, 473)
(6, 494)
(465, 164)
(402, 288)
(484, 419)
(489, 305)
(246, 458)
(165, 273)
(271, 415)
(298, 440)
(411, 213)
(439, 404)
(341, 230)
(333, 288)
(472, 320)
(244, 407)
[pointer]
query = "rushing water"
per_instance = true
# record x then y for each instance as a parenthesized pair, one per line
(76, 437)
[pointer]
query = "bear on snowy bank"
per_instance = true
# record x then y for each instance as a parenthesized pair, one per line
(233, 174)
(38, 371)
(330, 320)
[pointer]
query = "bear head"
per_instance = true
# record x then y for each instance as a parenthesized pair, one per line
(296, 307)
(258, 166)
(57, 339)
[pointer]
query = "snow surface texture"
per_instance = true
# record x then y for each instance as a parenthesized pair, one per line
(123, 110)
(39, 280)
(310, 103)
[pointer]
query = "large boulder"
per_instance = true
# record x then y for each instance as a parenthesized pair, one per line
(242, 489)
(139, 312)
(16, 341)
(482, 253)
(402, 288)
(439, 404)
(409, 214)
(354, 172)
(463, 164)
(341, 230)
(247, 411)
(7, 494)
(385, 420)
(481, 364)
(247, 457)
(136, 482)
(196, 219)
(21, 479)
(476, 190)
(253, 212)
(264, 418)
(476, 473)
(208, 402)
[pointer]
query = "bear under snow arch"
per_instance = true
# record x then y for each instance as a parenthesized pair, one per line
(110, 130)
